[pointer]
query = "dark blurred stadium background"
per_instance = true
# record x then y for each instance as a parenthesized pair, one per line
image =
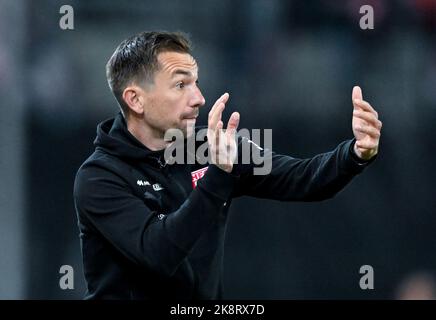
(289, 66)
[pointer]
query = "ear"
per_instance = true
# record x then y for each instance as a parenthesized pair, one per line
(134, 97)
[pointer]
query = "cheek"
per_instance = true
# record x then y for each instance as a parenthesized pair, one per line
(168, 113)
(174, 108)
(153, 113)
(167, 109)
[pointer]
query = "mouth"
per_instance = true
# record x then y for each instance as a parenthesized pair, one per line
(191, 117)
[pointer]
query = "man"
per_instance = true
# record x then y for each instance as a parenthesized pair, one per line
(150, 229)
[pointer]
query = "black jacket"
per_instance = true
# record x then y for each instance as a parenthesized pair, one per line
(147, 233)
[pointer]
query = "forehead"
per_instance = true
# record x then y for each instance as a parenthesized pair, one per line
(173, 61)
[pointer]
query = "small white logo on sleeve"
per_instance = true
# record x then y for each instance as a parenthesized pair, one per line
(142, 183)
(157, 187)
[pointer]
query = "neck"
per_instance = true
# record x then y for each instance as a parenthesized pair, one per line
(149, 137)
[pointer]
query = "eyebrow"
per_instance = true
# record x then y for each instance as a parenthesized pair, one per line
(182, 72)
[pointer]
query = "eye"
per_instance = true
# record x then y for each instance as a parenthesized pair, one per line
(180, 85)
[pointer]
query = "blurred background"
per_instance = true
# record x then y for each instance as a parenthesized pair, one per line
(289, 66)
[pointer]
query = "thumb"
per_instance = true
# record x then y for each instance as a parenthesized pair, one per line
(357, 93)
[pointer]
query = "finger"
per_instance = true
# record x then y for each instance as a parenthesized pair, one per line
(368, 117)
(369, 130)
(216, 117)
(224, 98)
(218, 133)
(366, 144)
(356, 93)
(213, 131)
(365, 106)
(233, 123)
(232, 126)
(218, 130)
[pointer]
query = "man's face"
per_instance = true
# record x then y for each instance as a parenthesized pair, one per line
(174, 99)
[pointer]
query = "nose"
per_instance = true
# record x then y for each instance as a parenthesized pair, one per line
(197, 99)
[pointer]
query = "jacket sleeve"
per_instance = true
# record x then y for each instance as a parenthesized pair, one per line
(292, 179)
(107, 202)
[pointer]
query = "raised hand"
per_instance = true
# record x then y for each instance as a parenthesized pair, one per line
(222, 144)
(366, 126)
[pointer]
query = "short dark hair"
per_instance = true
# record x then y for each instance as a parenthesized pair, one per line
(135, 59)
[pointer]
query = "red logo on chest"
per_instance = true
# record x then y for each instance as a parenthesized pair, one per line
(197, 175)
